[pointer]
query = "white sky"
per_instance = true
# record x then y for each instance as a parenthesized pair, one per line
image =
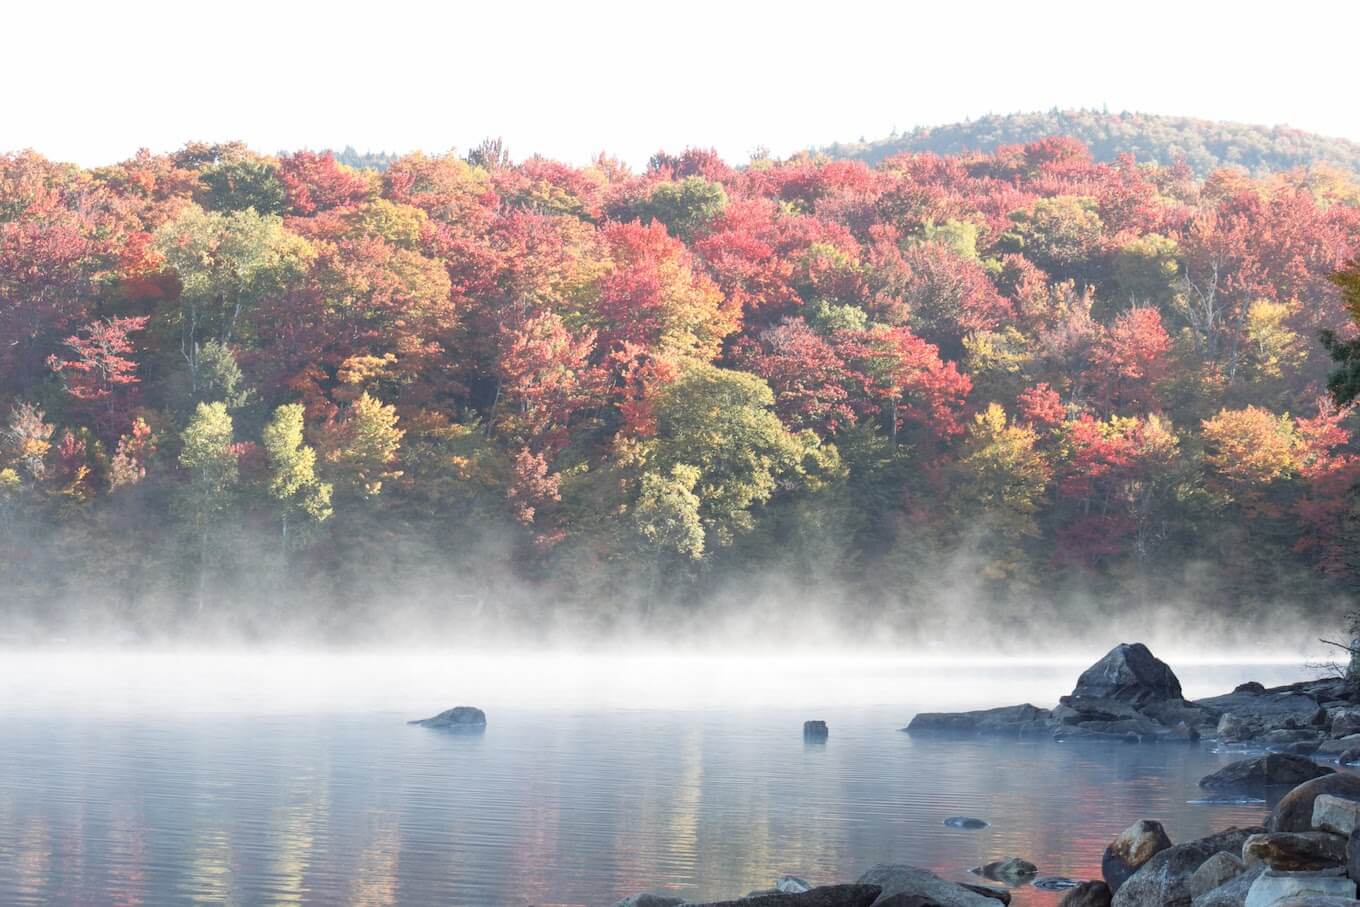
(92, 83)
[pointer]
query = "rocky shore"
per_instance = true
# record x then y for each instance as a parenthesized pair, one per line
(1306, 852)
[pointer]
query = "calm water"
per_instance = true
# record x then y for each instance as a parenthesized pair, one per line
(293, 780)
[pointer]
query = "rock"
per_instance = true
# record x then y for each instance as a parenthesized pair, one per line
(792, 885)
(1263, 771)
(1235, 728)
(968, 822)
(1294, 812)
(1338, 746)
(1134, 846)
(1017, 720)
(1287, 736)
(1273, 887)
(649, 900)
(1350, 756)
(824, 896)
(1233, 892)
(1257, 713)
(1055, 883)
(1251, 686)
(1336, 814)
(460, 717)
(814, 730)
(1295, 851)
(897, 879)
(1129, 673)
(996, 894)
(1345, 722)
(1317, 900)
(1220, 868)
(1087, 894)
(1011, 871)
(1164, 880)
(906, 900)
(1353, 856)
(1301, 747)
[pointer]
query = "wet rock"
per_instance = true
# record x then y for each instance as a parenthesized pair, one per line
(1285, 737)
(1087, 894)
(1295, 851)
(1248, 715)
(649, 900)
(1353, 855)
(1012, 871)
(1269, 770)
(1164, 880)
(1129, 673)
(1134, 846)
(1317, 900)
(1294, 812)
(1273, 887)
(996, 894)
(459, 717)
(823, 896)
(1233, 892)
(1055, 883)
(792, 885)
(1335, 814)
(1015, 720)
(1350, 756)
(897, 879)
(968, 822)
(1345, 722)
(1220, 868)
(814, 730)
(1338, 746)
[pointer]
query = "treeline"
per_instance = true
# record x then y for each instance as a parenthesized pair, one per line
(1203, 145)
(250, 389)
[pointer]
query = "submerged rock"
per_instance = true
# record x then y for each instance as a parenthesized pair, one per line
(1134, 846)
(1265, 771)
(1013, 870)
(1017, 720)
(649, 900)
(459, 717)
(824, 896)
(968, 822)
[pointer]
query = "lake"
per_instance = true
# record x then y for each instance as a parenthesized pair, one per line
(133, 778)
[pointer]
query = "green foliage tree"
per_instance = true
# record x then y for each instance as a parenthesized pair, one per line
(684, 206)
(293, 483)
(207, 454)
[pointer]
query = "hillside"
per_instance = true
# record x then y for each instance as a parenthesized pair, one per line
(1203, 144)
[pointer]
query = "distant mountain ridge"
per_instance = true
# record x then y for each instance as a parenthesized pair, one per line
(1203, 144)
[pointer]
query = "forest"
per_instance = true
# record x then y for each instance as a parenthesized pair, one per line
(1020, 388)
(1203, 145)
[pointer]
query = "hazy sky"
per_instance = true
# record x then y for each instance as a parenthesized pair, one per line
(569, 79)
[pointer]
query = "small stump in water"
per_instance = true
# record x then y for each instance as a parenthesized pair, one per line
(460, 718)
(815, 731)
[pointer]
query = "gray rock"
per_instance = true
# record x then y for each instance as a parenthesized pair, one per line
(1338, 746)
(1335, 814)
(792, 885)
(1087, 894)
(1350, 756)
(814, 730)
(1345, 722)
(1133, 847)
(1272, 887)
(1016, 720)
(897, 879)
(996, 894)
(1295, 851)
(1129, 673)
(1317, 900)
(1012, 870)
(459, 717)
(1264, 771)
(824, 896)
(1353, 856)
(1220, 868)
(1294, 812)
(1164, 880)
(649, 900)
(968, 822)
(1232, 893)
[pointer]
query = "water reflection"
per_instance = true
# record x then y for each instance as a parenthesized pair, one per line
(550, 806)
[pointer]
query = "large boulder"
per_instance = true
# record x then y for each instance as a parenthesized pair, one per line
(463, 717)
(1273, 887)
(1134, 846)
(1295, 851)
(897, 879)
(1164, 880)
(1233, 892)
(1294, 812)
(1219, 869)
(1087, 894)
(1272, 769)
(1015, 720)
(1129, 673)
